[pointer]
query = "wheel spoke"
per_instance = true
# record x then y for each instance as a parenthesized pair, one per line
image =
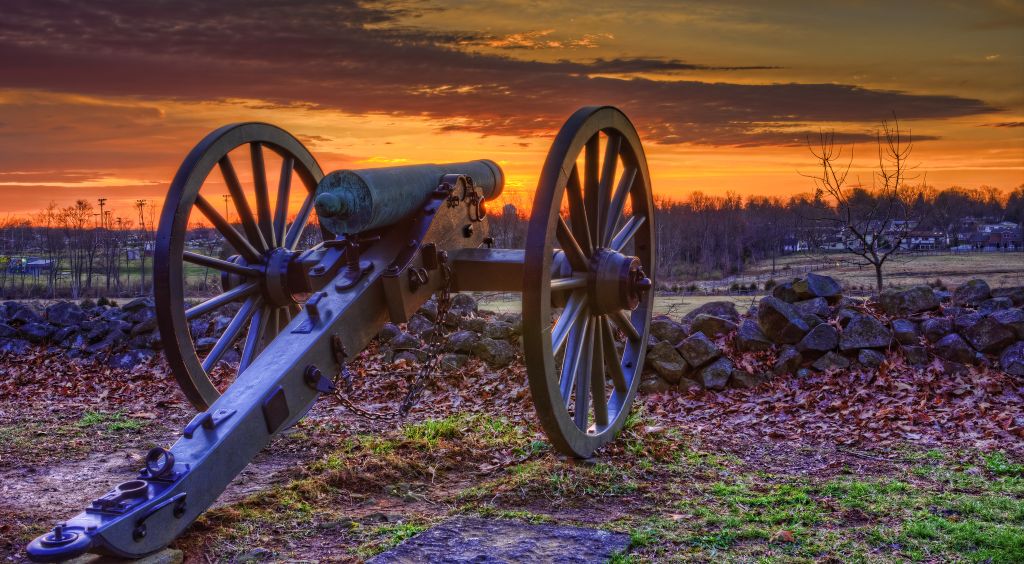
(295, 231)
(578, 219)
(573, 354)
(576, 303)
(253, 338)
(572, 249)
(583, 380)
(624, 324)
(597, 374)
(222, 265)
(211, 304)
(252, 231)
(230, 334)
(572, 283)
(259, 179)
(284, 186)
(608, 166)
(611, 359)
(625, 235)
(618, 204)
(591, 164)
(237, 241)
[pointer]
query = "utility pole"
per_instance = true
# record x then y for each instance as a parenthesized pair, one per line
(227, 213)
(103, 222)
(141, 204)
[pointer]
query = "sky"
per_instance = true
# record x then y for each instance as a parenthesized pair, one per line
(105, 98)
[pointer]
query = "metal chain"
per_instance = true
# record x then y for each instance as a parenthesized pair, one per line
(436, 345)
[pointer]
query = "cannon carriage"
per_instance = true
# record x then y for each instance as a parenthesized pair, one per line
(391, 238)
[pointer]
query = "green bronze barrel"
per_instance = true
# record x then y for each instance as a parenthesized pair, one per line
(352, 201)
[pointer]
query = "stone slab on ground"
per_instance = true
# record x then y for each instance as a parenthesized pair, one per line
(494, 541)
(165, 556)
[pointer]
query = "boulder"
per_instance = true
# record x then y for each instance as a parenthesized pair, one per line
(711, 325)
(749, 337)
(819, 286)
(686, 384)
(420, 325)
(954, 348)
(14, 346)
(820, 339)
(475, 324)
(780, 321)
(495, 352)
(844, 315)
(664, 329)
(816, 306)
(905, 331)
(138, 303)
(992, 305)
(864, 332)
(404, 341)
(971, 293)
(916, 355)
(428, 310)
(515, 320)
(721, 308)
(112, 339)
(463, 305)
(463, 341)
(388, 331)
(698, 350)
(909, 301)
(1011, 318)
(988, 335)
(936, 328)
(6, 331)
(831, 361)
(144, 326)
(870, 358)
(498, 330)
(663, 359)
(37, 332)
(20, 314)
(744, 379)
(204, 344)
(1012, 359)
(64, 314)
(1015, 293)
(715, 376)
(129, 359)
(787, 362)
(789, 294)
(450, 361)
(409, 356)
(966, 320)
(651, 383)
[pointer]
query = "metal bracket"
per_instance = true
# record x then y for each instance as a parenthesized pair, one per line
(207, 421)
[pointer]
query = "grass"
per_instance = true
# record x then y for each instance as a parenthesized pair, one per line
(114, 422)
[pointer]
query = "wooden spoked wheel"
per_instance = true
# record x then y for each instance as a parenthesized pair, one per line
(587, 280)
(246, 250)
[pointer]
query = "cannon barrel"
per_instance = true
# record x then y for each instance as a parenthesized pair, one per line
(352, 201)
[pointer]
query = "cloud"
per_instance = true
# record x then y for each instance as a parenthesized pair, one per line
(1006, 124)
(359, 59)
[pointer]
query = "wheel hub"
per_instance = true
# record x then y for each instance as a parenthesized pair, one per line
(616, 282)
(275, 286)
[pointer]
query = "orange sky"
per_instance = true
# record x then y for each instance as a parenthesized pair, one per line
(111, 97)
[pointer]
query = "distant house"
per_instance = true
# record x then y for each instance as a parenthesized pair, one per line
(37, 267)
(925, 240)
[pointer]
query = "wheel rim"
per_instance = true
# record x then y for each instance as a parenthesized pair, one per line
(570, 361)
(251, 278)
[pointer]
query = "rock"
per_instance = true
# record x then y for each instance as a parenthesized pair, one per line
(971, 293)
(515, 320)
(63, 314)
(664, 329)
(698, 350)
(716, 375)
(787, 293)
(817, 306)
(428, 310)
(1011, 318)
(831, 361)
(419, 325)
(1015, 293)
(463, 305)
(36, 332)
(220, 323)
(952, 347)
(787, 362)
(820, 286)
(905, 331)
(844, 315)
(870, 358)
(803, 373)
(494, 352)
(711, 325)
(780, 321)
(992, 305)
(130, 359)
(744, 379)
(864, 332)
(498, 330)
(820, 339)
(686, 384)
(936, 328)
(138, 303)
(916, 355)
(144, 326)
(909, 301)
(388, 331)
(721, 308)
(409, 356)
(749, 337)
(463, 341)
(14, 346)
(663, 359)
(651, 383)
(450, 362)
(404, 341)
(18, 313)
(1012, 359)
(966, 320)
(61, 335)
(109, 341)
(6, 331)
(204, 344)
(988, 335)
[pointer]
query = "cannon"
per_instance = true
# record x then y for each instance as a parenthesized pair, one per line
(305, 293)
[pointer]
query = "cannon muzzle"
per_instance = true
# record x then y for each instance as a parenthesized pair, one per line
(352, 201)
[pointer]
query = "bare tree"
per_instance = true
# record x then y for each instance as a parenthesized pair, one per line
(874, 223)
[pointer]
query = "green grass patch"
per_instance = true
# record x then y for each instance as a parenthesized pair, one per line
(113, 422)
